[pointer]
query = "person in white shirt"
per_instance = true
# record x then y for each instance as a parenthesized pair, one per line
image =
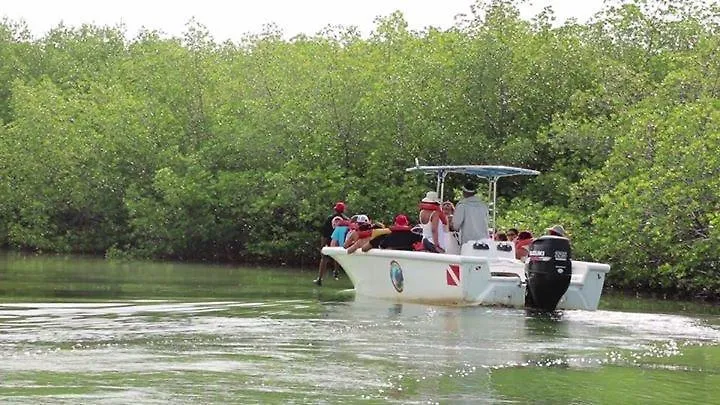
(430, 223)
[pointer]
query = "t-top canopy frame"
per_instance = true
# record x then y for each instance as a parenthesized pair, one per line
(490, 173)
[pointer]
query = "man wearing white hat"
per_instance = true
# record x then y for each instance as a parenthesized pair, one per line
(556, 230)
(471, 216)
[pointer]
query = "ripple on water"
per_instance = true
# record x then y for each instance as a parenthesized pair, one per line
(295, 347)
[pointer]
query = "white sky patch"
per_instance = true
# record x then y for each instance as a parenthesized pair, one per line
(233, 19)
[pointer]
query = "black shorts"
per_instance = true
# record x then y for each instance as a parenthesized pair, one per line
(378, 242)
(429, 246)
(396, 240)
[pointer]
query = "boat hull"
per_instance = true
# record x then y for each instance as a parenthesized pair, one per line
(457, 279)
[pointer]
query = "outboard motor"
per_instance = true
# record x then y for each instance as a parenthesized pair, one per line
(548, 270)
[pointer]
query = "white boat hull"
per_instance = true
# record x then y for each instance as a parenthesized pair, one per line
(458, 279)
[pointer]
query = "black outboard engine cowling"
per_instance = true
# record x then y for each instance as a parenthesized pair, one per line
(548, 270)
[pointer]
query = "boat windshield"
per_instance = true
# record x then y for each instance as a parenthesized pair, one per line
(490, 173)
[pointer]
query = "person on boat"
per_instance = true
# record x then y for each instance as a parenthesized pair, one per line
(364, 234)
(522, 243)
(430, 223)
(512, 234)
(448, 208)
(451, 237)
(471, 216)
(341, 226)
(351, 236)
(401, 236)
(326, 231)
(500, 236)
(556, 230)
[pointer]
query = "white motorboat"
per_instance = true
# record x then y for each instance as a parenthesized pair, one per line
(482, 272)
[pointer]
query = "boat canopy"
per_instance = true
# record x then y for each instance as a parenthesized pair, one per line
(490, 173)
(486, 172)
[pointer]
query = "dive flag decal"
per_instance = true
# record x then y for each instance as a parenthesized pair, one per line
(453, 274)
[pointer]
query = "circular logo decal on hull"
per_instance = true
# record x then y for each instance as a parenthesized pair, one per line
(396, 276)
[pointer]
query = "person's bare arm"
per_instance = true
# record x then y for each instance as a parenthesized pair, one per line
(350, 240)
(359, 243)
(435, 223)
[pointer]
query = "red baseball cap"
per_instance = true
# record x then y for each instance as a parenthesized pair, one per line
(340, 206)
(402, 220)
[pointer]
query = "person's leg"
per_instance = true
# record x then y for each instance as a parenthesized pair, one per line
(336, 274)
(321, 269)
(323, 262)
(335, 243)
(357, 245)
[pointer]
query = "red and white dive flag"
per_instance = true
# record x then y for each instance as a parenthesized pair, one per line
(453, 274)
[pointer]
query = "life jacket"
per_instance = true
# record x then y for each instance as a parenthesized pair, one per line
(520, 243)
(435, 207)
(363, 230)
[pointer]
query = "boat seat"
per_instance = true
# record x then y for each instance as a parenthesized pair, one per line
(481, 248)
(504, 249)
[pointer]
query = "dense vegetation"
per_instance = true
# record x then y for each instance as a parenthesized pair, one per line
(186, 148)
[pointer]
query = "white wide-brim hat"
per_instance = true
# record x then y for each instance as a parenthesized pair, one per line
(557, 229)
(431, 197)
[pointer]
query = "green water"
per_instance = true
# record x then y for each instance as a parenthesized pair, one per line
(75, 330)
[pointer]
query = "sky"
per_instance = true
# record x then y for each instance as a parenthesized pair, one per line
(230, 20)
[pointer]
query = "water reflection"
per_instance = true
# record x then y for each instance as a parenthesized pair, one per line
(395, 309)
(547, 325)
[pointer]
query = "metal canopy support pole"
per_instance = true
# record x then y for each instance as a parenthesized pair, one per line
(491, 202)
(494, 202)
(441, 179)
(438, 180)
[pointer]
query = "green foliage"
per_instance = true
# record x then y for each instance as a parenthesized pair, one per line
(659, 217)
(185, 148)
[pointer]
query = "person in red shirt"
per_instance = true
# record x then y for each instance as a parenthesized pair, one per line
(522, 243)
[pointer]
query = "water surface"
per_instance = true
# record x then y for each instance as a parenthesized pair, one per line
(76, 330)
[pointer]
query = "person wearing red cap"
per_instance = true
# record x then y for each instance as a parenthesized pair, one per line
(401, 223)
(401, 236)
(326, 233)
